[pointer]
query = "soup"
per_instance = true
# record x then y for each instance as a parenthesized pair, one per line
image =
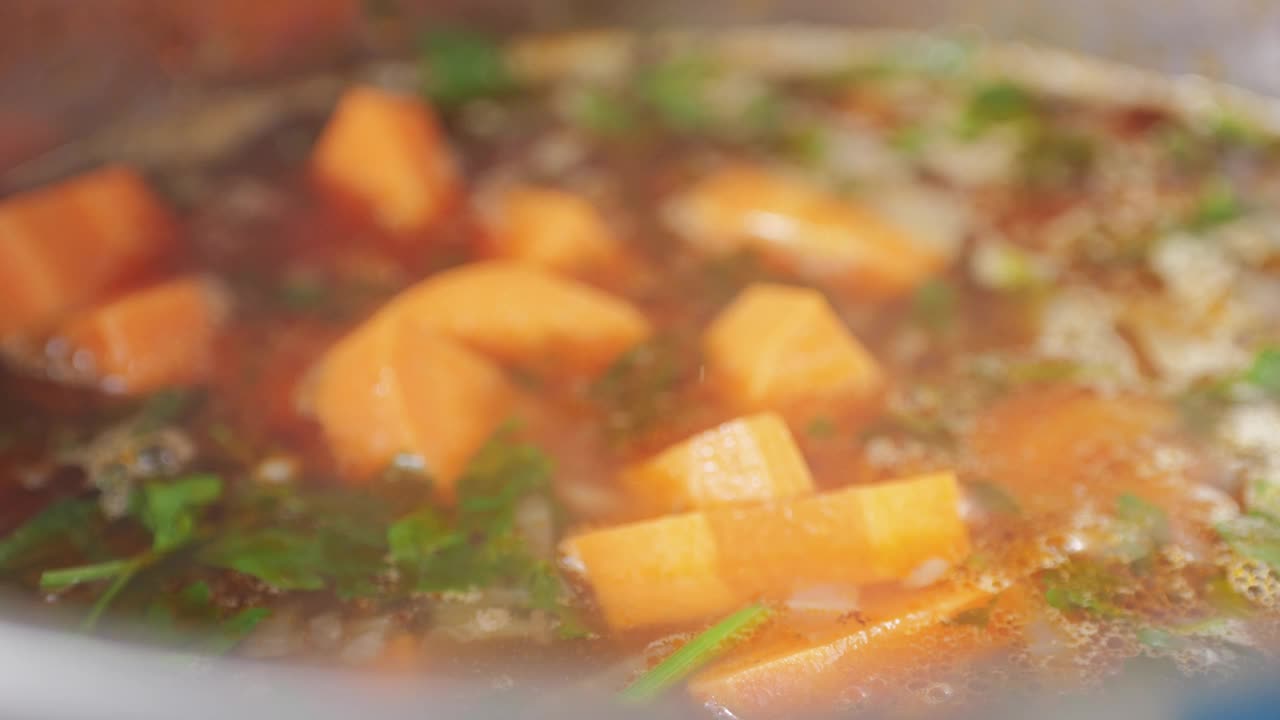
(769, 377)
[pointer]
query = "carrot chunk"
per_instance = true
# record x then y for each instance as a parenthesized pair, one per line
(804, 228)
(161, 336)
(524, 314)
(659, 572)
(751, 458)
(858, 535)
(63, 246)
(683, 567)
(385, 154)
(781, 347)
(553, 229)
(1051, 444)
(390, 388)
(787, 672)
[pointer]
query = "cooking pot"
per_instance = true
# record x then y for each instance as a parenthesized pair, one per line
(85, 82)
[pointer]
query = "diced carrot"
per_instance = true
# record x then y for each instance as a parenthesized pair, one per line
(552, 228)
(659, 572)
(749, 459)
(816, 234)
(1048, 445)
(391, 387)
(782, 347)
(681, 568)
(157, 337)
(386, 154)
(402, 653)
(858, 535)
(63, 246)
(786, 672)
(524, 314)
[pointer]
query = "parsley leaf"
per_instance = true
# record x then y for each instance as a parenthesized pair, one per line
(461, 65)
(281, 558)
(170, 510)
(57, 521)
(1264, 373)
(1082, 587)
(236, 628)
(636, 391)
(1218, 205)
(996, 104)
(676, 89)
(1255, 537)
(1141, 528)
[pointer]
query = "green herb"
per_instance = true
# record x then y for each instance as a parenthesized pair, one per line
(1255, 537)
(1218, 205)
(197, 596)
(1054, 159)
(806, 143)
(281, 558)
(996, 104)
(236, 628)
(1141, 528)
(1264, 373)
(417, 539)
(603, 112)
(1232, 130)
(910, 139)
(170, 510)
(993, 498)
(1262, 497)
(933, 306)
(676, 90)
(821, 427)
(635, 392)
(460, 65)
(1082, 587)
(713, 642)
(57, 521)
(67, 577)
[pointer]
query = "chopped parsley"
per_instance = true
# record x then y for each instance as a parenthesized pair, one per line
(461, 65)
(1217, 205)
(996, 104)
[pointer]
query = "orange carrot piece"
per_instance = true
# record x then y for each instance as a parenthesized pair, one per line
(659, 572)
(390, 388)
(748, 459)
(684, 567)
(64, 246)
(158, 337)
(858, 535)
(524, 314)
(786, 673)
(386, 154)
(781, 347)
(1048, 445)
(552, 228)
(816, 234)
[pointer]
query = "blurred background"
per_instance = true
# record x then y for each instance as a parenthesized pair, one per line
(65, 65)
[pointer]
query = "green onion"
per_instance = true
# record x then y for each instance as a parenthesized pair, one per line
(697, 652)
